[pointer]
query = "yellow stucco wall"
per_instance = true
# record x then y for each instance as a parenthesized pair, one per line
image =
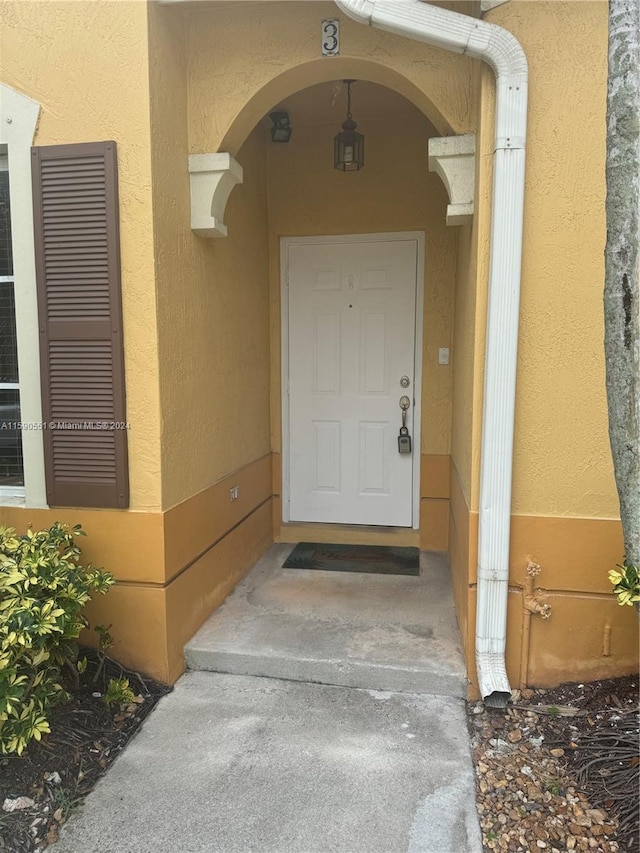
(228, 96)
(201, 317)
(463, 351)
(195, 316)
(283, 43)
(564, 501)
(562, 461)
(213, 294)
(171, 568)
(77, 60)
(472, 272)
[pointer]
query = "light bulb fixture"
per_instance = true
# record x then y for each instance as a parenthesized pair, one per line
(281, 130)
(348, 145)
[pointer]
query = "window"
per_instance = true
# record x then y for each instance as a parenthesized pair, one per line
(22, 481)
(11, 466)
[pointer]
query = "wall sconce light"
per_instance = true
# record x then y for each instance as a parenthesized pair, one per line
(281, 130)
(348, 145)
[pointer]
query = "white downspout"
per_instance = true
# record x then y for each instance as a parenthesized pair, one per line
(500, 49)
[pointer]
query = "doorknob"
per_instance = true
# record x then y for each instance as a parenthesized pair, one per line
(405, 402)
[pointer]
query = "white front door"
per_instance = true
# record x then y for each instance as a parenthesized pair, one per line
(351, 340)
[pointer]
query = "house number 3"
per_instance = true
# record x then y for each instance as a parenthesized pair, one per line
(330, 37)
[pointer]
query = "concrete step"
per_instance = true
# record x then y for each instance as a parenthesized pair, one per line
(377, 632)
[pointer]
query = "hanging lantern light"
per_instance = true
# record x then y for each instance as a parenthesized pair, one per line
(348, 145)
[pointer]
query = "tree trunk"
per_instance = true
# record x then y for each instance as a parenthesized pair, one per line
(621, 296)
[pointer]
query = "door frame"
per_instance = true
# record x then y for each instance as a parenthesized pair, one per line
(382, 237)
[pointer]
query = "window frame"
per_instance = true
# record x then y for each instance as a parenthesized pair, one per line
(18, 120)
(15, 492)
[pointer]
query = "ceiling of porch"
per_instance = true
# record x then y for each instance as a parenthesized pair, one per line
(326, 103)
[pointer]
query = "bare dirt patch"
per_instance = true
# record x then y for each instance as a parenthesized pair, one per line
(55, 774)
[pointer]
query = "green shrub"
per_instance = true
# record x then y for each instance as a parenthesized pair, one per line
(119, 692)
(43, 589)
(626, 584)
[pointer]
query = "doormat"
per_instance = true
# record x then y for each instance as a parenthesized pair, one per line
(373, 559)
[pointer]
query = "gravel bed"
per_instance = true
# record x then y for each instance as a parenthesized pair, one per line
(535, 764)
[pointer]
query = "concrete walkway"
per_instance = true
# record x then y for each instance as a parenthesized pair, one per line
(234, 762)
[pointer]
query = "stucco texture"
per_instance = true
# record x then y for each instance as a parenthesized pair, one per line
(564, 502)
(77, 60)
(213, 295)
(463, 366)
(214, 336)
(202, 316)
(472, 275)
(562, 460)
(283, 42)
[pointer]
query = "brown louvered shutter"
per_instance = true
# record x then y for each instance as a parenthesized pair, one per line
(75, 192)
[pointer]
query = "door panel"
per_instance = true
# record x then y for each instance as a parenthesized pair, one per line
(351, 338)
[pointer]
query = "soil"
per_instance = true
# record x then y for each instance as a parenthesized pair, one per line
(59, 771)
(559, 769)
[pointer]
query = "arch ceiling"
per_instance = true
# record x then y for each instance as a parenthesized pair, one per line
(278, 90)
(241, 66)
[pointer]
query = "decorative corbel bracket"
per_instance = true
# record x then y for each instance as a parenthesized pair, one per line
(212, 176)
(454, 159)
(488, 5)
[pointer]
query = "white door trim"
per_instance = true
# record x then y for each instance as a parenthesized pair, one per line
(391, 236)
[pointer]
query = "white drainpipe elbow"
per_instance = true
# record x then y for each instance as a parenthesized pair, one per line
(500, 49)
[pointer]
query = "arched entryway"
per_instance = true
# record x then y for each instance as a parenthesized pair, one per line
(380, 624)
(394, 194)
(232, 295)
